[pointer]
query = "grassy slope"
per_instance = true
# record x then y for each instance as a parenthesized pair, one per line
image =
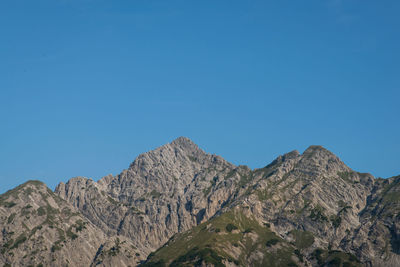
(215, 242)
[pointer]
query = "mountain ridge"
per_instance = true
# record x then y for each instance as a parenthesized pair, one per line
(177, 187)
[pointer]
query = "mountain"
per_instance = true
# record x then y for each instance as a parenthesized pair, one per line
(313, 203)
(179, 206)
(164, 191)
(41, 229)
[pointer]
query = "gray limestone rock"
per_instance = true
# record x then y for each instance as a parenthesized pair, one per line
(41, 229)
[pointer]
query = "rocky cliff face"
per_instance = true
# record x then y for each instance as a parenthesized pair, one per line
(377, 239)
(41, 229)
(164, 191)
(313, 192)
(305, 209)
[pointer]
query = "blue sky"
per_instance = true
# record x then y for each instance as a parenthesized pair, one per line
(87, 85)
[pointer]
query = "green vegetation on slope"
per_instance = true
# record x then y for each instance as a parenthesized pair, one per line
(230, 237)
(303, 239)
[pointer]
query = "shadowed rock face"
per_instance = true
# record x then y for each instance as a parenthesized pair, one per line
(178, 186)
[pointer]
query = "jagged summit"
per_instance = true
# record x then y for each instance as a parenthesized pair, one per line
(186, 146)
(183, 141)
(317, 150)
(180, 148)
(27, 189)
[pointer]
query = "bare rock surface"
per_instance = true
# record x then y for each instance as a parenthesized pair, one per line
(39, 228)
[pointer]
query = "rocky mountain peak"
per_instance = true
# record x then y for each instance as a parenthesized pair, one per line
(29, 188)
(317, 159)
(317, 150)
(180, 150)
(184, 142)
(167, 168)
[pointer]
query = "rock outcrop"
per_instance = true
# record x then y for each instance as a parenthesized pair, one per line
(41, 229)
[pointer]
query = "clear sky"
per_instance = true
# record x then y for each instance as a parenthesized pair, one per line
(87, 85)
